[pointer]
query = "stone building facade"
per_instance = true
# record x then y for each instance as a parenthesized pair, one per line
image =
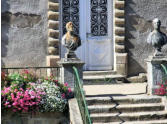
(32, 31)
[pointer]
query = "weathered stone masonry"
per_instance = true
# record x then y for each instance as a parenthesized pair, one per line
(53, 33)
(119, 37)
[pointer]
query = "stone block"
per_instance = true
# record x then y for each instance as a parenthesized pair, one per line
(119, 4)
(53, 24)
(67, 72)
(121, 69)
(119, 30)
(51, 61)
(52, 50)
(53, 6)
(119, 39)
(119, 13)
(121, 58)
(53, 42)
(120, 48)
(53, 15)
(53, 33)
(119, 21)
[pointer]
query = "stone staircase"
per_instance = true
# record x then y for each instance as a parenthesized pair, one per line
(127, 109)
(102, 77)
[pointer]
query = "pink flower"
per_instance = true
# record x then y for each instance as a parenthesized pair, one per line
(12, 95)
(15, 103)
(9, 106)
(26, 71)
(69, 90)
(32, 97)
(14, 110)
(15, 90)
(21, 89)
(7, 103)
(66, 84)
(19, 108)
(63, 95)
(25, 77)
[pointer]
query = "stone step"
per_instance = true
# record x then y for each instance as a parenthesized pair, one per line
(125, 108)
(119, 89)
(138, 122)
(123, 100)
(98, 73)
(103, 79)
(138, 116)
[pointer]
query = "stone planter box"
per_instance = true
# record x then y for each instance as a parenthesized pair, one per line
(38, 118)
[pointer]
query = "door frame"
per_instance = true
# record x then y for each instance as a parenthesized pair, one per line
(120, 56)
(85, 15)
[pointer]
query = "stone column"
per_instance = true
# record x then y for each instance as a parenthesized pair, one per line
(155, 72)
(67, 73)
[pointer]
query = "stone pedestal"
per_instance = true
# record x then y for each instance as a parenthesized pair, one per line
(155, 72)
(67, 73)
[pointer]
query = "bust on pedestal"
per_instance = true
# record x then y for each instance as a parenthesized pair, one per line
(71, 41)
(155, 71)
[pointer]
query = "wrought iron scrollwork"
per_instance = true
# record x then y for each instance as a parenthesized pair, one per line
(99, 25)
(71, 13)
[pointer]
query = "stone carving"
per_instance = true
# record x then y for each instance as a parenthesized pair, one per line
(156, 38)
(71, 41)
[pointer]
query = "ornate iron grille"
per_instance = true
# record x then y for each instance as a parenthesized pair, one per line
(99, 25)
(71, 13)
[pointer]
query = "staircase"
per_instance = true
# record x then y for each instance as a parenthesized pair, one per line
(102, 77)
(127, 109)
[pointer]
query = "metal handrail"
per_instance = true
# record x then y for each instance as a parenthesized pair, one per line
(79, 95)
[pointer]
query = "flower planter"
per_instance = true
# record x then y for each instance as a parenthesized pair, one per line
(38, 118)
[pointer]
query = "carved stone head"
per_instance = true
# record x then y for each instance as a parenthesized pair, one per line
(156, 24)
(69, 26)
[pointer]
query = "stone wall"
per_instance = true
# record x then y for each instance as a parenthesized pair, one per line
(24, 32)
(40, 118)
(138, 16)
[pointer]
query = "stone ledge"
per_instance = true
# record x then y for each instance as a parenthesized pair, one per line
(38, 118)
(75, 115)
(141, 78)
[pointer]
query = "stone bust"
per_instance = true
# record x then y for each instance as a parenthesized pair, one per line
(71, 41)
(156, 38)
